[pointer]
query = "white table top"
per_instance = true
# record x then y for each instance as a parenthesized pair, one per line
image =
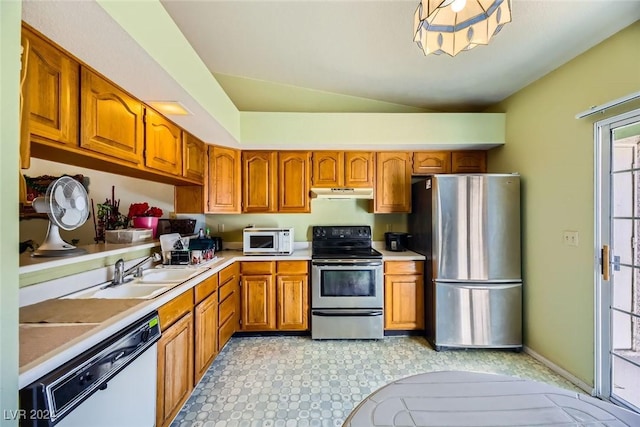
(472, 399)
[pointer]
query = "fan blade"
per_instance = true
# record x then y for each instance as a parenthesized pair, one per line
(60, 198)
(71, 217)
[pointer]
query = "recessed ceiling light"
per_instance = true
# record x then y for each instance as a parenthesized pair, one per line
(170, 107)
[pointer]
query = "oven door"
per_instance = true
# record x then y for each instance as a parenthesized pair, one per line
(260, 242)
(346, 284)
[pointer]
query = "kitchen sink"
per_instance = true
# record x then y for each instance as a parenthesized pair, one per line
(152, 283)
(162, 275)
(128, 290)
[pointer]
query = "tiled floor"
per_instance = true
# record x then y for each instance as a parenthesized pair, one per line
(294, 381)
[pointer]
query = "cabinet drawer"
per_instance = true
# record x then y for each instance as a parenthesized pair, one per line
(176, 308)
(205, 288)
(225, 332)
(292, 267)
(227, 273)
(227, 289)
(403, 267)
(227, 308)
(258, 267)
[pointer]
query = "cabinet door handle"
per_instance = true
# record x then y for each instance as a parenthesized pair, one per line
(605, 262)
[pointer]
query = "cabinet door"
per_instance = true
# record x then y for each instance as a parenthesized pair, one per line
(468, 161)
(358, 169)
(163, 144)
(194, 158)
(294, 177)
(112, 121)
(50, 93)
(175, 369)
(259, 181)
(292, 295)
(206, 334)
(430, 162)
(328, 169)
(393, 183)
(258, 303)
(403, 302)
(223, 183)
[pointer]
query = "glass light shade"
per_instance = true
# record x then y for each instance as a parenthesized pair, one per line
(445, 31)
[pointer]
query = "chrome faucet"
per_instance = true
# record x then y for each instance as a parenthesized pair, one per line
(120, 275)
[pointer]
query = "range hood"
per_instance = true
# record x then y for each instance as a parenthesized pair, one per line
(342, 193)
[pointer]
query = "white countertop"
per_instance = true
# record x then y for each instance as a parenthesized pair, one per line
(49, 361)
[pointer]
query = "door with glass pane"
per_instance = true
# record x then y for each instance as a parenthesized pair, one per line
(618, 285)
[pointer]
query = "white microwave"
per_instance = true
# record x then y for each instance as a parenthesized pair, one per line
(267, 241)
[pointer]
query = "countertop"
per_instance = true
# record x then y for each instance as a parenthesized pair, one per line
(82, 339)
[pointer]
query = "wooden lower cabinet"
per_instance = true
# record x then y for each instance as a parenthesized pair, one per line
(292, 308)
(175, 369)
(228, 303)
(404, 295)
(206, 334)
(275, 296)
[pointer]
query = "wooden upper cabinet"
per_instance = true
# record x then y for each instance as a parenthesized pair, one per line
(431, 162)
(259, 178)
(50, 93)
(223, 180)
(294, 177)
(194, 158)
(163, 144)
(342, 169)
(112, 120)
(358, 169)
(469, 161)
(328, 169)
(393, 182)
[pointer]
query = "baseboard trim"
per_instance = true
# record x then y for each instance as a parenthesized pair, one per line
(562, 372)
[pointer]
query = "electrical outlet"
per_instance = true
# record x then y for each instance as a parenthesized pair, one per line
(388, 227)
(220, 228)
(570, 238)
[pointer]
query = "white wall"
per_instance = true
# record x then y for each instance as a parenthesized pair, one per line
(128, 190)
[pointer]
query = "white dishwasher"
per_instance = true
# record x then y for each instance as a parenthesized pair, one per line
(111, 385)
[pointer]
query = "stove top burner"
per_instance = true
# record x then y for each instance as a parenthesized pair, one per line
(343, 242)
(360, 253)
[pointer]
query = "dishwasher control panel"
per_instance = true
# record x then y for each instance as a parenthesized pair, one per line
(60, 391)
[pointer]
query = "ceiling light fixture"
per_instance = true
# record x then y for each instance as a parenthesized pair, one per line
(170, 107)
(451, 26)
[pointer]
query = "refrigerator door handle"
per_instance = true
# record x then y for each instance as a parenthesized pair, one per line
(480, 286)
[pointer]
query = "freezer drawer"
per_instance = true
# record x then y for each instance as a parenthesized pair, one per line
(473, 314)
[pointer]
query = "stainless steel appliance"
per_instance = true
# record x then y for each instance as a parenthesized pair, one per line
(267, 241)
(346, 284)
(468, 227)
(112, 384)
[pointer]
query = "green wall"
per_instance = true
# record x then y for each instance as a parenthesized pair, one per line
(554, 152)
(323, 212)
(10, 13)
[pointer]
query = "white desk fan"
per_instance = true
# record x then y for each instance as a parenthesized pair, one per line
(67, 204)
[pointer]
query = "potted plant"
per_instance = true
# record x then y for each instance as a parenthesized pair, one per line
(144, 216)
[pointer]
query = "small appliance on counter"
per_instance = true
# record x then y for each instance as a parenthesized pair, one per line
(396, 242)
(267, 241)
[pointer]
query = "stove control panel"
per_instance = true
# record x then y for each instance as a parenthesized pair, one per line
(348, 232)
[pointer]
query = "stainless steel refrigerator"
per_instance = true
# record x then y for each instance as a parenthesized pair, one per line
(468, 228)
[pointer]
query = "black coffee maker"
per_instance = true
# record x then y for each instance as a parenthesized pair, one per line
(396, 242)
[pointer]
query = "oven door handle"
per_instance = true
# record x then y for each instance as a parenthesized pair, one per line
(341, 313)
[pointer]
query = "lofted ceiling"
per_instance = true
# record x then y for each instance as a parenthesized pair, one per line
(286, 55)
(224, 59)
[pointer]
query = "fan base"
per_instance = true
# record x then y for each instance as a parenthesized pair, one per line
(59, 252)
